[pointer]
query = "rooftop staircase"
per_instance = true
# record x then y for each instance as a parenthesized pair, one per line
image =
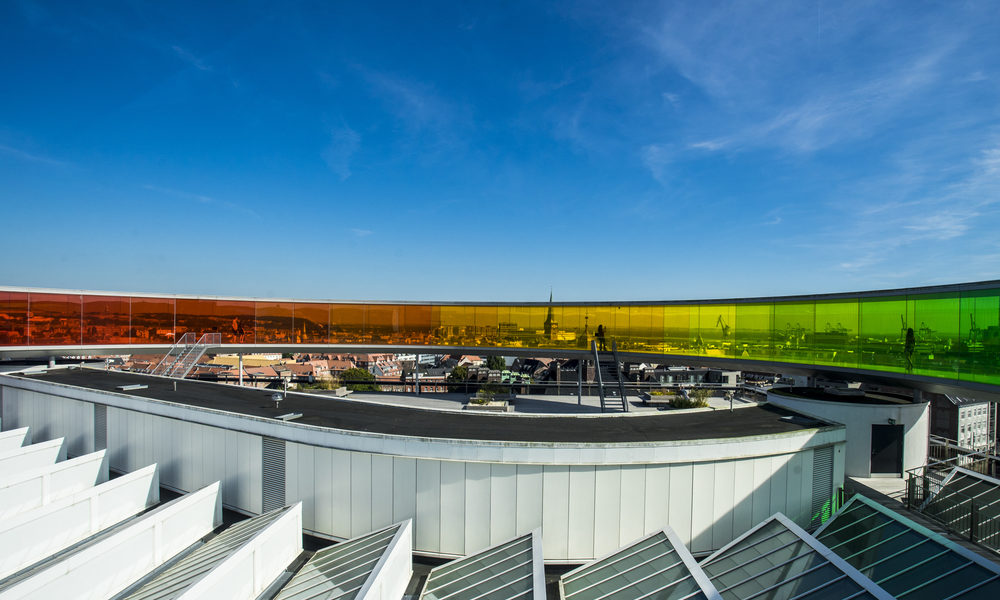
(610, 384)
(184, 354)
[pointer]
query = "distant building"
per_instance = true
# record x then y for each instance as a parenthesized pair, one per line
(971, 422)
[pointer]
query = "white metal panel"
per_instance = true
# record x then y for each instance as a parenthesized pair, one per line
(340, 499)
(806, 489)
(724, 503)
(427, 524)
(793, 488)
(477, 507)
(307, 486)
(392, 575)
(743, 489)
(35, 456)
(529, 498)
(761, 489)
(255, 461)
(679, 502)
(361, 493)
(607, 509)
(293, 474)
(453, 507)
(404, 488)
(381, 491)
(33, 535)
(555, 511)
(657, 494)
(503, 502)
(322, 464)
(13, 439)
(582, 484)
(32, 489)
(779, 482)
(702, 506)
(633, 503)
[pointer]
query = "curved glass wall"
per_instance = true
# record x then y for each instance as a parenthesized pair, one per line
(952, 333)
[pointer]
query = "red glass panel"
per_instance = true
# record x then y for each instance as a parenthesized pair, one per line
(385, 323)
(152, 320)
(274, 322)
(312, 322)
(234, 320)
(347, 323)
(13, 319)
(54, 319)
(105, 320)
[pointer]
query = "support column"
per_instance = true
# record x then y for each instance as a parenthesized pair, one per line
(416, 376)
(579, 382)
(240, 355)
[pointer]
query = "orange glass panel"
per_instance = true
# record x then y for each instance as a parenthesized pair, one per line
(385, 323)
(233, 319)
(13, 318)
(311, 323)
(152, 320)
(421, 323)
(347, 323)
(274, 322)
(105, 320)
(54, 319)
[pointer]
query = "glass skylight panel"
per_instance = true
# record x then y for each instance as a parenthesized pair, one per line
(960, 491)
(904, 558)
(778, 560)
(339, 572)
(657, 566)
(172, 582)
(504, 572)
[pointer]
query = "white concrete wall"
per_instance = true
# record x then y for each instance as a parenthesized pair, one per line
(21, 492)
(14, 439)
(109, 566)
(859, 418)
(392, 573)
(51, 417)
(35, 456)
(250, 570)
(36, 534)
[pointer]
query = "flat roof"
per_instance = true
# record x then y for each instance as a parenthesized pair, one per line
(354, 415)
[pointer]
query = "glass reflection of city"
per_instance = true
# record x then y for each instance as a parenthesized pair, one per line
(954, 333)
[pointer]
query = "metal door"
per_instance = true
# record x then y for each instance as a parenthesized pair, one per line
(887, 449)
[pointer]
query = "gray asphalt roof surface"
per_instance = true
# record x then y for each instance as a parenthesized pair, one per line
(353, 415)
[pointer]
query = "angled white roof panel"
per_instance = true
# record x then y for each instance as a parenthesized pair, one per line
(351, 569)
(905, 558)
(14, 439)
(38, 487)
(192, 575)
(508, 571)
(778, 559)
(27, 458)
(656, 566)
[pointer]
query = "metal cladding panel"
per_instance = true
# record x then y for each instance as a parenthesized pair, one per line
(723, 500)
(100, 427)
(703, 506)
(795, 504)
(381, 491)
(555, 510)
(679, 509)
(657, 493)
(762, 489)
(404, 488)
(477, 506)
(529, 498)
(361, 493)
(340, 500)
(323, 488)
(306, 485)
(427, 524)
(453, 507)
(582, 490)
(607, 509)
(273, 474)
(503, 502)
(743, 491)
(632, 502)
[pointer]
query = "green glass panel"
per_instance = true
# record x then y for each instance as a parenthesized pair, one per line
(754, 323)
(795, 331)
(836, 334)
(979, 336)
(883, 334)
(677, 329)
(715, 329)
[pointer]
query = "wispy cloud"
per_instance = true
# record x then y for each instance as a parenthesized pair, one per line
(361, 232)
(190, 58)
(203, 199)
(32, 157)
(344, 143)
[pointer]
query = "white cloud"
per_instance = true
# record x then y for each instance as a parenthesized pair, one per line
(190, 58)
(344, 143)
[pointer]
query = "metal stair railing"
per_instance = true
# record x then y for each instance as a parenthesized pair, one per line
(600, 379)
(187, 356)
(618, 372)
(179, 347)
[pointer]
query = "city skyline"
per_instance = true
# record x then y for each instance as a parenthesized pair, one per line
(493, 153)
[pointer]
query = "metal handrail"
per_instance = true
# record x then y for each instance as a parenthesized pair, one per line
(597, 369)
(618, 370)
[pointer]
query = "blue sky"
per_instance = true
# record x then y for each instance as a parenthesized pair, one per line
(490, 151)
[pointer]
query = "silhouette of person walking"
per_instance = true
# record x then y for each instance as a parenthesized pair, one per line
(909, 346)
(602, 345)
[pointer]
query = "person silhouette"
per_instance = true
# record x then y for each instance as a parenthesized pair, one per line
(602, 344)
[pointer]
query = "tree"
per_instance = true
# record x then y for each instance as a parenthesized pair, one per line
(496, 363)
(458, 374)
(358, 377)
